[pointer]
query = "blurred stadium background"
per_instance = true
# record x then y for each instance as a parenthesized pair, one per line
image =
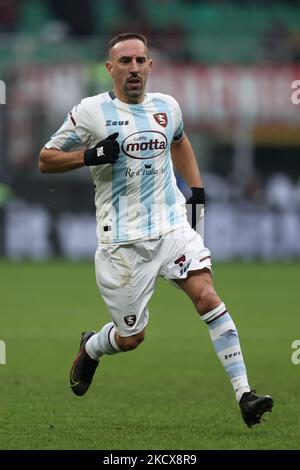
(231, 65)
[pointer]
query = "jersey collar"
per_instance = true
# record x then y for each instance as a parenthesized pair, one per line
(123, 105)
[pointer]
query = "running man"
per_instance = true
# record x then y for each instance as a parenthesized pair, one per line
(132, 140)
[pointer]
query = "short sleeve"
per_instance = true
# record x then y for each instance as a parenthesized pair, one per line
(178, 128)
(74, 134)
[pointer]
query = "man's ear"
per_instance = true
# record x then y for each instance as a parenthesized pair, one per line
(109, 67)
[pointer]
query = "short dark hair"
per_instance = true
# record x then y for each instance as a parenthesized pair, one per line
(124, 37)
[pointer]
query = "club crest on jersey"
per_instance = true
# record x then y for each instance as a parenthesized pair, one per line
(161, 119)
(130, 320)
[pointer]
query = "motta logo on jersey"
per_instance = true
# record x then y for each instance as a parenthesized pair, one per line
(145, 145)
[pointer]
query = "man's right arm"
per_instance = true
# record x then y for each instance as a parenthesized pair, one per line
(65, 150)
(57, 161)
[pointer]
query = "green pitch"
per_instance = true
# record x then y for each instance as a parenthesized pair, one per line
(172, 392)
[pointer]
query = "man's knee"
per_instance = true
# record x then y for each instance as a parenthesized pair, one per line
(130, 342)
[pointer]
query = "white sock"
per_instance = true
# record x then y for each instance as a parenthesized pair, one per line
(103, 342)
(226, 342)
(239, 392)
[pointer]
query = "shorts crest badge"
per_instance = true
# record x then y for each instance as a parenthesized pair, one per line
(130, 320)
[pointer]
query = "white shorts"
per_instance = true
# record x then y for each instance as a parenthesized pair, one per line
(126, 274)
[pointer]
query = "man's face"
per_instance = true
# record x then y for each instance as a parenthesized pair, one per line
(129, 67)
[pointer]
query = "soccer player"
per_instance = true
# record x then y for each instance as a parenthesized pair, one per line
(132, 140)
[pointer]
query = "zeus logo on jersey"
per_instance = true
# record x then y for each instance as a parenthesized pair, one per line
(145, 144)
(109, 122)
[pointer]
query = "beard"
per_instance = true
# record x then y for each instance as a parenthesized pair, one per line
(134, 90)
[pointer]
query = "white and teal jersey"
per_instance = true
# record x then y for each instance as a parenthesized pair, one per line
(137, 197)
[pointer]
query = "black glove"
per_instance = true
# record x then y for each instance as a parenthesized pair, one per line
(195, 203)
(106, 151)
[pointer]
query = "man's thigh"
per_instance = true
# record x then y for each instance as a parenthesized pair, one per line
(198, 285)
